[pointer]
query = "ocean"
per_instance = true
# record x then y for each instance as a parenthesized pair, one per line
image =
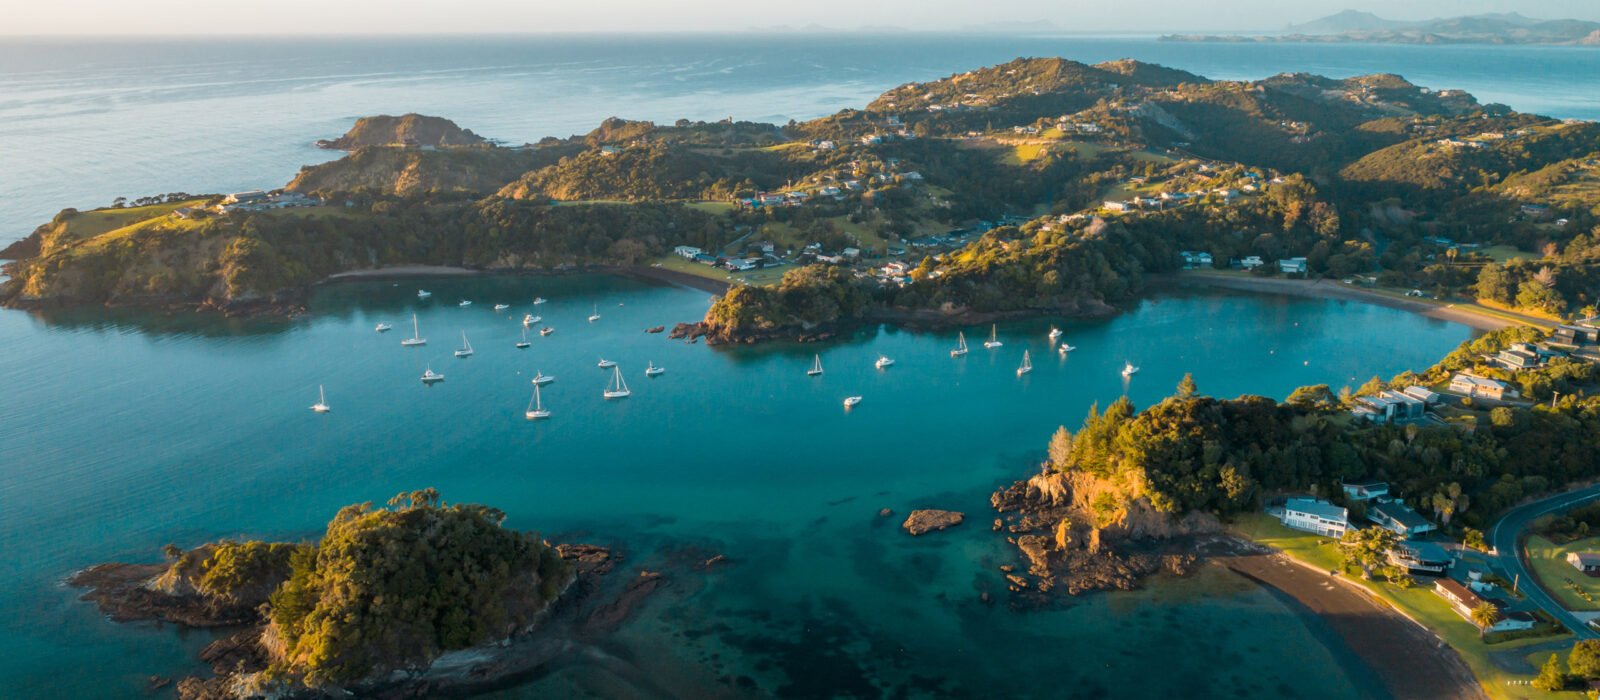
(123, 431)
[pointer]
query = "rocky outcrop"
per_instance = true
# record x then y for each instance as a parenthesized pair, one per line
(930, 520)
(404, 130)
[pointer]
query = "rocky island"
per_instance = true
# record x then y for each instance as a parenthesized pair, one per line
(419, 597)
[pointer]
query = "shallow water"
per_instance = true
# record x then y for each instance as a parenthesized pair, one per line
(125, 431)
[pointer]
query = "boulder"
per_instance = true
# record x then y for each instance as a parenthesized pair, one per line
(929, 520)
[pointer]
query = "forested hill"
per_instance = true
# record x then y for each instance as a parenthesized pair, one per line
(1359, 175)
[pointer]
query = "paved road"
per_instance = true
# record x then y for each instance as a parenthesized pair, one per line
(1504, 538)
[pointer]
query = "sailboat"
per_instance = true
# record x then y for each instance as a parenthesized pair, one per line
(321, 406)
(416, 335)
(617, 389)
(429, 376)
(1054, 333)
(606, 364)
(883, 362)
(464, 303)
(536, 409)
(423, 294)
(383, 328)
(541, 379)
(466, 347)
(1128, 369)
(816, 368)
(523, 344)
(961, 345)
(994, 339)
(596, 315)
(652, 370)
(501, 307)
(1027, 364)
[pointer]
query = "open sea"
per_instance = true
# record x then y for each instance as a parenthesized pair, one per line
(121, 431)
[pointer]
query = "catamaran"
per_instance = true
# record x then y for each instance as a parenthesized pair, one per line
(429, 376)
(536, 409)
(464, 303)
(423, 294)
(652, 370)
(546, 330)
(501, 307)
(416, 335)
(994, 339)
(617, 389)
(321, 406)
(383, 328)
(466, 347)
(1054, 333)
(816, 368)
(1128, 369)
(541, 379)
(851, 401)
(523, 344)
(596, 315)
(883, 362)
(1027, 364)
(961, 345)
(606, 364)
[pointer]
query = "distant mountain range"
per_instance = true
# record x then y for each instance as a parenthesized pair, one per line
(1496, 28)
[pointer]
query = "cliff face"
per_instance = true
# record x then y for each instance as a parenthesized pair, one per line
(404, 130)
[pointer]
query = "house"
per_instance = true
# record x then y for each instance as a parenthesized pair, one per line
(763, 246)
(851, 252)
(1535, 210)
(1118, 206)
(1292, 266)
(1366, 490)
(250, 197)
(770, 200)
(1463, 601)
(1587, 562)
(1421, 557)
(609, 150)
(686, 251)
(1423, 394)
(1251, 262)
(742, 265)
(871, 140)
(705, 258)
(1576, 334)
(1194, 258)
(1314, 515)
(1390, 407)
(1399, 518)
(1475, 386)
(1518, 359)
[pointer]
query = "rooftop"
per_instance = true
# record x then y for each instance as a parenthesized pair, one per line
(1312, 506)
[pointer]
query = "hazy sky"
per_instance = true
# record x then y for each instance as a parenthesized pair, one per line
(189, 17)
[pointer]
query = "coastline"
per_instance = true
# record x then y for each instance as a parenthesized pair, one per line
(1410, 661)
(1328, 289)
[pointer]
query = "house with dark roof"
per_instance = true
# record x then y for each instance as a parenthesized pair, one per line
(1397, 517)
(1463, 601)
(1365, 490)
(1421, 557)
(1587, 562)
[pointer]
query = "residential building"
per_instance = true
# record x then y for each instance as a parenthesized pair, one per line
(1391, 407)
(1399, 518)
(1195, 259)
(1423, 394)
(249, 197)
(1366, 490)
(686, 251)
(1118, 206)
(1463, 601)
(1421, 557)
(1579, 334)
(1314, 515)
(1251, 262)
(851, 252)
(1290, 266)
(1475, 386)
(1518, 359)
(1587, 562)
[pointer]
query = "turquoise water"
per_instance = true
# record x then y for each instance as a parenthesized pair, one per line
(125, 431)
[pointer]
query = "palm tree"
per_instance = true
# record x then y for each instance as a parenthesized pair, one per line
(1484, 616)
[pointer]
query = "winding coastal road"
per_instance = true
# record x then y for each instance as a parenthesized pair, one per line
(1505, 536)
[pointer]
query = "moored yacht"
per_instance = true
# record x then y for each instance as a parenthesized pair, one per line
(383, 328)
(464, 303)
(466, 347)
(851, 401)
(501, 307)
(994, 339)
(651, 370)
(596, 315)
(1054, 333)
(616, 388)
(547, 330)
(883, 362)
(536, 409)
(321, 406)
(1065, 348)
(429, 376)
(606, 364)
(1128, 369)
(816, 368)
(539, 300)
(541, 379)
(416, 335)
(961, 345)
(423, 294)
(1027, 364)
(523, 344)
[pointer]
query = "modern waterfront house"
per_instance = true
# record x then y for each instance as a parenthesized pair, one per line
(1475, 386)
(1421, 557)
(1463, 601)
(1399, 518)
(1314, 515)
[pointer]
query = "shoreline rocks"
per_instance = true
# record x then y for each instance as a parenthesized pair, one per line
(927, 520)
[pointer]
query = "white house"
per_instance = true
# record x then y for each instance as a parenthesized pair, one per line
(1118, 206)
(1313, 515)
(1292, 266)
(1251, 262)
(1463, 601)
(686, 251)
(1475, 386)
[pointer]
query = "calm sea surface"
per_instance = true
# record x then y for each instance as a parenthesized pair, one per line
(121, 431)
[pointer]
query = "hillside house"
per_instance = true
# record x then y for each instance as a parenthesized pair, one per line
(1399, 518)
(1474, 386)
(1366, 490)
(1314, 515)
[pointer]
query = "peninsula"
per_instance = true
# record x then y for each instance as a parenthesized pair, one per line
(1364, 27)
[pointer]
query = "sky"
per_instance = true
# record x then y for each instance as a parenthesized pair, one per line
(207, 17)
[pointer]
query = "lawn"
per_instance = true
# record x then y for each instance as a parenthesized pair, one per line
(1549, 562)
(98, 222)
(1419, 603)
(760, 278)
(1502, 253)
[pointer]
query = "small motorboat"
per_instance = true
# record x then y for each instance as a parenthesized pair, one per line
(1128, 369)
(851, 401)
(606, 364)
(883, 362)
(384, 328)
(423, 294)
(429, 376)
(1065, 348)
(541, 379)
(530, 319)
(464, 303)
(546, 330)
(539, 300)
(1054, 333)
(651, 370)
(501, 307)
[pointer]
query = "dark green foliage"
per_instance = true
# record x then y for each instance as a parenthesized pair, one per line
(806, 297)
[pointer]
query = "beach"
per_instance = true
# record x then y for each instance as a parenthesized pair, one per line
(1479, 319)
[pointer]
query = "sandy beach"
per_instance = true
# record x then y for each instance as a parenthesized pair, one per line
(1409, 660)
(1330, 289)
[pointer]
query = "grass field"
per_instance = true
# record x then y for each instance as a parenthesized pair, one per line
(1420, 603)
(760, 278)
(1502, 253)
(1549, 562)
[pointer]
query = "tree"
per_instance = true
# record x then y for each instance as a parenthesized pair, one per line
(1368, 549)
(1484, 616)
(1550, 677)
(1473, 539)
(1060, 447)
(1584, 659)
(1186, 387)
(1316, 396)
(171, 551)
